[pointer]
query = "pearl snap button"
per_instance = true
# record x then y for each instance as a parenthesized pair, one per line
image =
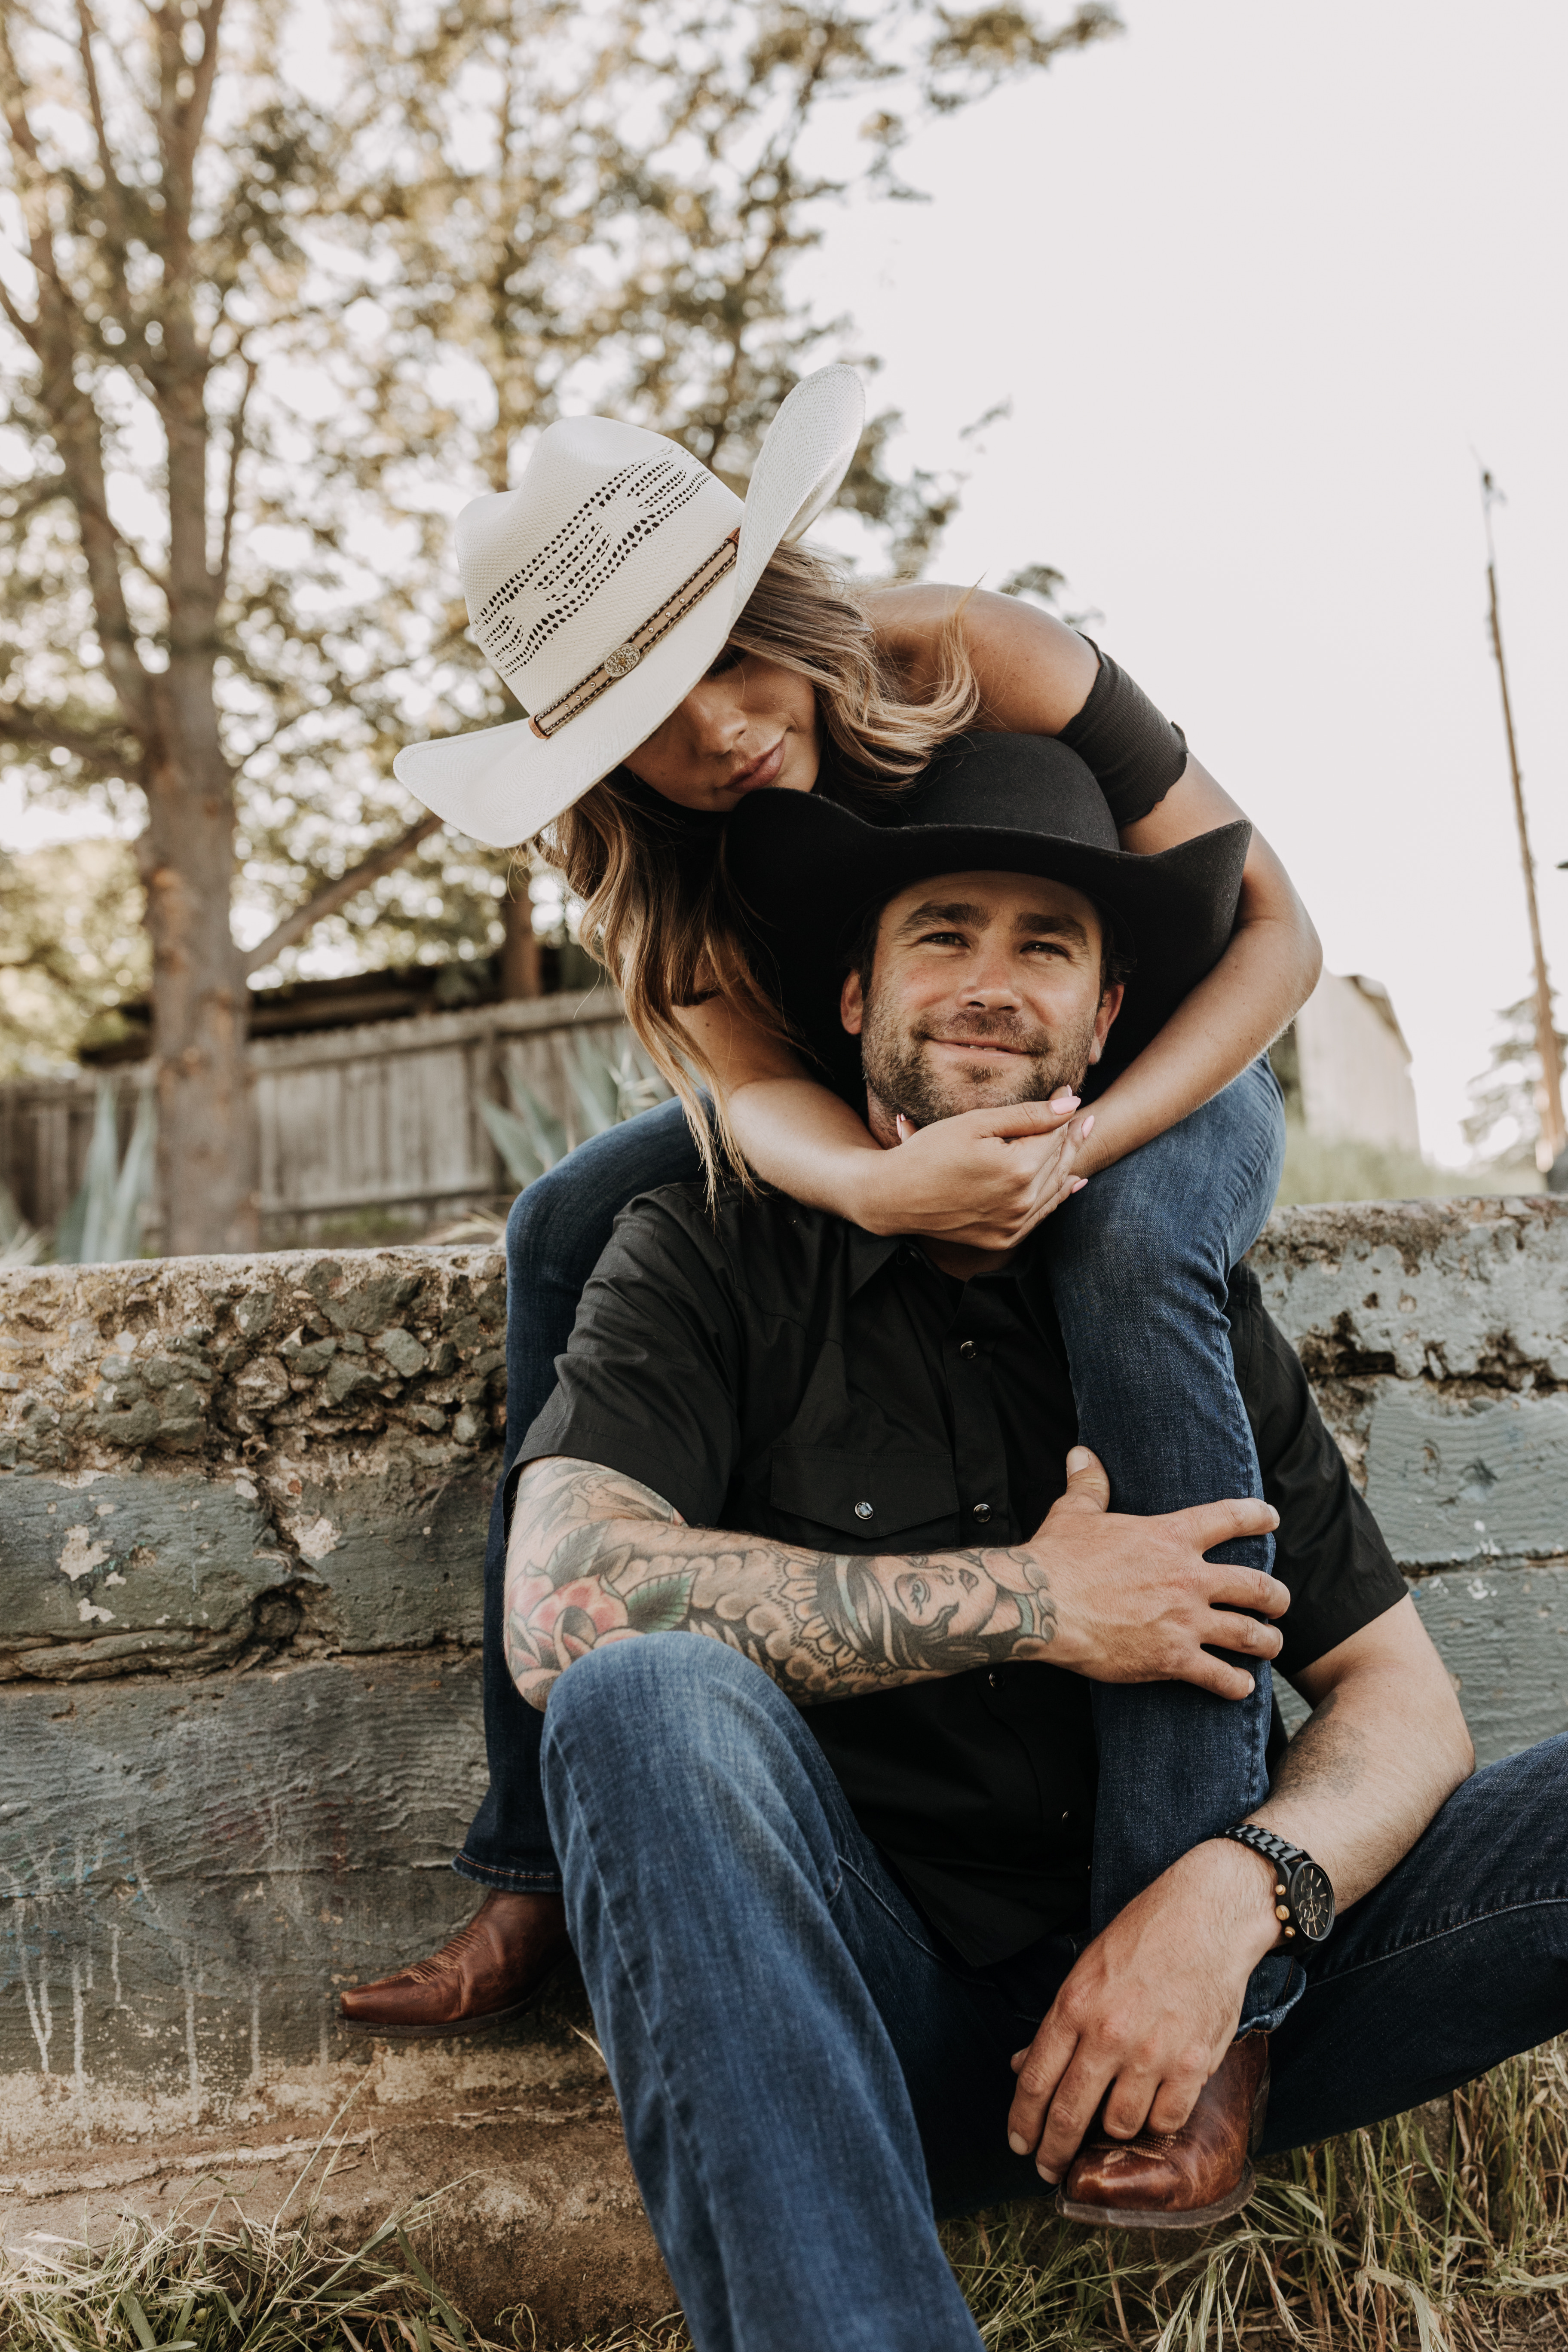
(862, 1510)
(966, 1346)
(981, 1510)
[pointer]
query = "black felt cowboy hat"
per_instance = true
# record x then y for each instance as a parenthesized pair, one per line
(807, 869)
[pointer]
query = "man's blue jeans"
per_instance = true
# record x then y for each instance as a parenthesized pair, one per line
(1139, 1262)
(807, 2083)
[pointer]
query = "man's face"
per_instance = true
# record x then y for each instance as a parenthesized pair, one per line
(986, 991)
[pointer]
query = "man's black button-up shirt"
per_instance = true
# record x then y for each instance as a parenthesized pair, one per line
(779, 1372)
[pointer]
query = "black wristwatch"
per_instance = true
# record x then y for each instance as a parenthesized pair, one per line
(1303, 1899)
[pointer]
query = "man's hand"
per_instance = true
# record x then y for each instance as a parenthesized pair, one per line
(985, 1179)
(1136, 1599)
(1150, 2010)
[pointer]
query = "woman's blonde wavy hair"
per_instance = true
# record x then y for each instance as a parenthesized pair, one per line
(658, 908)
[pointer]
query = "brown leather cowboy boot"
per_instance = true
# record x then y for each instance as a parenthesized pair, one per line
(1183, 2179)
(492, 1968)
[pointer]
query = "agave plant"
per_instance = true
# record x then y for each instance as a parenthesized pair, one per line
(104, 1222)
(606, 1088)
(20, 1243)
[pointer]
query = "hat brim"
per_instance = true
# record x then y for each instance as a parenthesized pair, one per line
(500, 785)
(806, 870)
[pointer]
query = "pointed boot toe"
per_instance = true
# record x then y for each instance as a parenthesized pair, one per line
(1183, 2179)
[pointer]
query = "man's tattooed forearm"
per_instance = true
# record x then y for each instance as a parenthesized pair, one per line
(596, 1557)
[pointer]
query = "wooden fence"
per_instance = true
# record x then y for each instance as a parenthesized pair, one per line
(366, 1134)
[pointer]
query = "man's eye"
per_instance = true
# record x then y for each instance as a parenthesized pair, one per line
(943, 940)
(1045, 946)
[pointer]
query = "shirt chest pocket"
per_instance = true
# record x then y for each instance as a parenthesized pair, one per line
(908, 1502)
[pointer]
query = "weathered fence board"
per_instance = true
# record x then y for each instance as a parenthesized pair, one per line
(365, 1132)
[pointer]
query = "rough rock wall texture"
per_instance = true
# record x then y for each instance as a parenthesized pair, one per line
(1435, 1333)
(242, 1511)
(242, 1517)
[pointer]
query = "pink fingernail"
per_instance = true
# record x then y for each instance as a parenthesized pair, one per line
(1078, 1183)
(1088, 1124)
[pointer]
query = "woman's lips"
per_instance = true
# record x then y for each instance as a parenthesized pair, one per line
(761, 771)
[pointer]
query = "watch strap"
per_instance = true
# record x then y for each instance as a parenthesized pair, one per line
(1286, 1860)
(1273, 1848)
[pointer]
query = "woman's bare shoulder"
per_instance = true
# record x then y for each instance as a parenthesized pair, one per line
(1035, 673)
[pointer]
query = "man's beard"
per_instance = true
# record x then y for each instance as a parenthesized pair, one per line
(899, 1072)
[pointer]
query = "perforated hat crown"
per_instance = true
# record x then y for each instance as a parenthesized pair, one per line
(606, 525)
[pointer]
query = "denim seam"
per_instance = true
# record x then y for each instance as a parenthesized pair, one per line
(846, 1868)
(1439, 1936)
(487, 1872)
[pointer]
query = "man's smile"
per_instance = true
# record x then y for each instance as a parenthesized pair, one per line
(985, 1045)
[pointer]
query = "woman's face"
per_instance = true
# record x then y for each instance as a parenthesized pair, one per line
(748, 724)
(958, 1597)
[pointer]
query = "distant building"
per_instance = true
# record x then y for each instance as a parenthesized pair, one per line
(1345, 1068)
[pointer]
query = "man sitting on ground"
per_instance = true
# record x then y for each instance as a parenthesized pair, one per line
(825, 1855)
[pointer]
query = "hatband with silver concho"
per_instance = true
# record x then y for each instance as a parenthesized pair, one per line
(624, 658)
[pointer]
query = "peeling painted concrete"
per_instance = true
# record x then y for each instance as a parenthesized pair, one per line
(1450, 1291)
(213, 1461)
(1503, 1635)
(211, 1856)
(1437, 1336)
(242, 1507)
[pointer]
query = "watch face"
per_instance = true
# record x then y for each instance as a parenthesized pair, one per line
(1311, 1902)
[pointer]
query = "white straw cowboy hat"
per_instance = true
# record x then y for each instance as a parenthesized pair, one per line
(603, 587)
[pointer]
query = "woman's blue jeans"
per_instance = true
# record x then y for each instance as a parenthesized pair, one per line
(1139, 1265)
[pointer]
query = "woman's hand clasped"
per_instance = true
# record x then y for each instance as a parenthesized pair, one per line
(984, 1178)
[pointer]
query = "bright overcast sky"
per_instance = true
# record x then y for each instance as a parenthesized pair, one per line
(1254, 279)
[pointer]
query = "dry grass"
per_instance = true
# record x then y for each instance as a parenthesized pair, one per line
(1318, 1169)
(1444, 2232)
(231, 2285)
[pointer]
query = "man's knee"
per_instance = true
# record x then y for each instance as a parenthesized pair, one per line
(657, 1695)
(674, 1737)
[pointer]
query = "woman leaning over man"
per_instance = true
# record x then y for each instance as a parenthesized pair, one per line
(678, 650)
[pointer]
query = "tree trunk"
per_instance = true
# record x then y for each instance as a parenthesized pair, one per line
(207, 1141)
(519, 963)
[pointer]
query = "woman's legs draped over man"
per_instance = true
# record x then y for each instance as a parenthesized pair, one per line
(1138, 1265)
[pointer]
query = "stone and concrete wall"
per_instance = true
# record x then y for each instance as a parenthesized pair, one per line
(242, 1514)
(1436, 1334)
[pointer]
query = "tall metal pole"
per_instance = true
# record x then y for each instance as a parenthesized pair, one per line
(1553, 1127)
